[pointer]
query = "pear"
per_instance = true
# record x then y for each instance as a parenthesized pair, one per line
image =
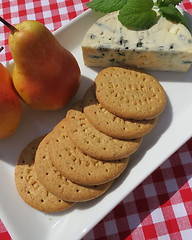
(10, 106)
(45, 75)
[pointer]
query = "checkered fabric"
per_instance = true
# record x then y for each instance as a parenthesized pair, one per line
(187, 5)
(159, 208)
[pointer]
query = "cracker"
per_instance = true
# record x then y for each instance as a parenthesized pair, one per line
(77, 166)
(57, 184)
(110, 124)
(130, 94)
(93, 142)
(29, 187)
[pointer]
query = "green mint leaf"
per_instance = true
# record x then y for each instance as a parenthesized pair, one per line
(164, 3)
(172, 13)
(141, 5)
(138, 14)
(106, 6)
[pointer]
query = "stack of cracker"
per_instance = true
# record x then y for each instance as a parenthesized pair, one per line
(87, 150)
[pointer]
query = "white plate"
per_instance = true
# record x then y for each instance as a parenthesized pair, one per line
(174, 128)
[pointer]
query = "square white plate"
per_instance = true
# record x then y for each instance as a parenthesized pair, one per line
(173, 129)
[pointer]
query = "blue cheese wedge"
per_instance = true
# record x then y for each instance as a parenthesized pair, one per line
(166, 46)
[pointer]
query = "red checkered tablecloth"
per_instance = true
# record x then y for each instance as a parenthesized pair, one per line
(159, 208)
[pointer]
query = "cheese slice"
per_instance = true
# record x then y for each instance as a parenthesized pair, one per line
(166, 46)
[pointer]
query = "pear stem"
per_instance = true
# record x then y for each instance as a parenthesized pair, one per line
(11, 27)
(1, 48)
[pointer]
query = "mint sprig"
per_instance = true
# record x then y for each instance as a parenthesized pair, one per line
(140, 14)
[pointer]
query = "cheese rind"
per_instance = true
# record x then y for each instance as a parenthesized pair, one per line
(166, 46)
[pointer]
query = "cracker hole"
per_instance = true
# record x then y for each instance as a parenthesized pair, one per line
(87, 164)
(42, 200)
(69, 153)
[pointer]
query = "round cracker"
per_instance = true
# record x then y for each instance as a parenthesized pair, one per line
(130, 94)
(57, 184)
(110, 124)
(77, 166)
(93, 142)
(29, 187)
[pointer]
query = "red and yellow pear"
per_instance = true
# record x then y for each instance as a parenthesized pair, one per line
(45, 75)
